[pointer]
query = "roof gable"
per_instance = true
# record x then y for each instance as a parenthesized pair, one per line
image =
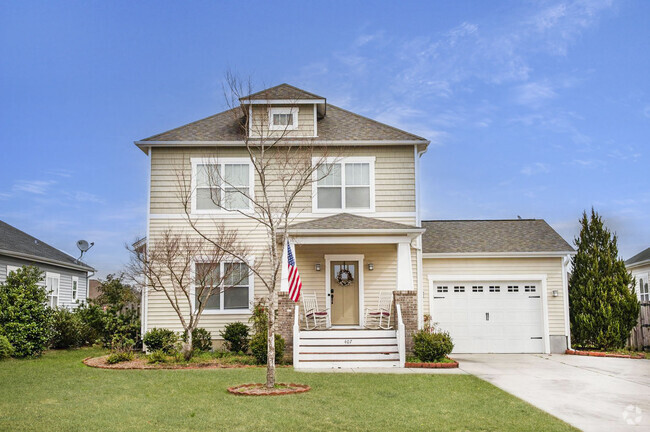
(492, 236)
(347, 221)
(640, 257)
(13, 240)
(282, 91)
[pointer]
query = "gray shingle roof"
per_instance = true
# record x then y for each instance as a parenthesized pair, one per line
(337, 125)
(491, 236)
(641, 256)
(13, 240)
(347, 221)
(282, 91)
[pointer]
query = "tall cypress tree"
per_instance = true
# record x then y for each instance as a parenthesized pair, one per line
(603, 308)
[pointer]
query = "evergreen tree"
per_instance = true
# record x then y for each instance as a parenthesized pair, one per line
(603, 307)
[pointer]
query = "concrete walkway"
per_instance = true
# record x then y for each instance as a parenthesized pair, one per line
(591, 393)
(454, 371)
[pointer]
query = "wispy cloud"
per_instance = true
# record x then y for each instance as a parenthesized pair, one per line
(535, 168)
(39, 187)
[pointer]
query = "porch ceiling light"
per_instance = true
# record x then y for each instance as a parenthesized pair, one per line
(317, 266)
(371, 266)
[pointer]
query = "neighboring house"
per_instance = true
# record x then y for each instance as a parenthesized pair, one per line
(65, 277)
(639, 266)
(496, 286)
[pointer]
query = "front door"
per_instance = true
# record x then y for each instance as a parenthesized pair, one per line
(344, 292)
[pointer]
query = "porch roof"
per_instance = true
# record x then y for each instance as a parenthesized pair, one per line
(347, 223)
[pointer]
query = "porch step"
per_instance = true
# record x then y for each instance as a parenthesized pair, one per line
(332, 349)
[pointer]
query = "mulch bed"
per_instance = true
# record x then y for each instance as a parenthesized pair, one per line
(259, 389)
(141, 363)
(604, 354)
(447, 365)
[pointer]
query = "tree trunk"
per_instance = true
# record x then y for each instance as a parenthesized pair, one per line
(186, 346)
(270, 357)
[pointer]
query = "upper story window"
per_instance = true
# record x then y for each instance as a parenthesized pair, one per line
(221, 184)
(283, 118)
(345, 184)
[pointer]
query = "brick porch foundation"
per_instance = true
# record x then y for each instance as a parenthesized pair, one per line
(284, 321)
(408, 302)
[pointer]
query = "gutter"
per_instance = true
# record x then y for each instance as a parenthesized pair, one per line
(35, 258)
(498, 254)
(357, 231)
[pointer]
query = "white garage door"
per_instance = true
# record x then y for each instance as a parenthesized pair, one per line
(490, 317)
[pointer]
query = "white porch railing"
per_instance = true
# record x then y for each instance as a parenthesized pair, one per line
(296, 336)
(401, 336)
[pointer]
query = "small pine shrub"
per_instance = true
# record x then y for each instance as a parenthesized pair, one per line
(259, 348)
(235, 336)
(161, 339)
(430, 345)
(157, 356)
(6, 349)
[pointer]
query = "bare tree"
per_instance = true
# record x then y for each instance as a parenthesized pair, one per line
(188, 271)
(284, 168)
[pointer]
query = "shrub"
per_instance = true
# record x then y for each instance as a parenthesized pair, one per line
(6, 349)
(24, 315)
(201, 340)
(68, 330)
(94, 319)
(158, 356)
(161, 339)
(121, 350)
(119, 357)
(259, 348)
(124, 324)
(235, 336)
(430, 345)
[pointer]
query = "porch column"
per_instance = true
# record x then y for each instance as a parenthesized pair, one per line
(404, 267)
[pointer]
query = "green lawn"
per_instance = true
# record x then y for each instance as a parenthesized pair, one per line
(58, 393)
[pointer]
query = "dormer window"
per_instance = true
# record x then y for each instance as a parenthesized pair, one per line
(283, 118)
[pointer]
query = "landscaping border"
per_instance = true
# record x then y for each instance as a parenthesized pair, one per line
(447, 365)
(603, 354)
(99, 364)
(259, 389)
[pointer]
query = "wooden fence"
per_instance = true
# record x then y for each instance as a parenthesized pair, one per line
(639, 339)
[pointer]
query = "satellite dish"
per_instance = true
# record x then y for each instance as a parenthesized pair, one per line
(83, 246)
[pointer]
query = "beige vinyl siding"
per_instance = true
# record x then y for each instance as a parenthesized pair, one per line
(382, 278)
(394, 176)
(259, 125)
(552, 267)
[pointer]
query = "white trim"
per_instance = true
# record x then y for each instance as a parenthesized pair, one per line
(404, 280)
(370, 160)
(145, 292)
(505, 278)
(498, 255)
(355, 231)
(282, 101)
(420, 286)
(74, 293)
(351, 240)
(315, 121)
(328, 279)
(42, 260)
(565, 298)
(250, 261)
(57, 277)
(222, 161)
(638, 264)
(11, 268)
(283, 110)
(235, 215)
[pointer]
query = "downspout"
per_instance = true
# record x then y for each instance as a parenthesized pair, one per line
(418, 222)
(144, 300)
(565, 288)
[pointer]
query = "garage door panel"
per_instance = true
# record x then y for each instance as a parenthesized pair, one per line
(490, 316)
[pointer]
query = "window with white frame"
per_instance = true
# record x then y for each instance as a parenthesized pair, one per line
(232, 292)
(346, 184)
(52, 281)
(75, 288)
(644, 291)
(283, 118)
(224, 184)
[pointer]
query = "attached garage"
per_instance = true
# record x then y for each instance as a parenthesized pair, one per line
(497, 286)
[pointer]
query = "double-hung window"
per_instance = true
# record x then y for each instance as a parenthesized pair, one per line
(52, 281)
(345, 184)
(221, 184)
(644, 291)
(283, 118)
(75, 288)
(227, 287)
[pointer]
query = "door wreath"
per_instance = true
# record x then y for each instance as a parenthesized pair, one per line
(344, 276)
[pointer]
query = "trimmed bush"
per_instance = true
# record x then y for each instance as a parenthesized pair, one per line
(68, 330)
(432, 346)
(6, 349)
(235, 336)
(161, 339)
(201, 340)
(24, 315)
(259, 348)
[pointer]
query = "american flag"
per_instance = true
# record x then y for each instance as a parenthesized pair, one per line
(294, 277)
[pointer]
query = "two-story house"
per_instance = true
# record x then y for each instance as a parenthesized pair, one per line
(495, 285)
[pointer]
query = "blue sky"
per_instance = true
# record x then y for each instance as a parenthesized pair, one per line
(537, 109)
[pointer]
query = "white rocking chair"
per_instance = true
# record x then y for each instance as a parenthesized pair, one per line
(380, 317)
(314, 315)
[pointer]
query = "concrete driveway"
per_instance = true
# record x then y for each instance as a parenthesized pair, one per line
(590, 393)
